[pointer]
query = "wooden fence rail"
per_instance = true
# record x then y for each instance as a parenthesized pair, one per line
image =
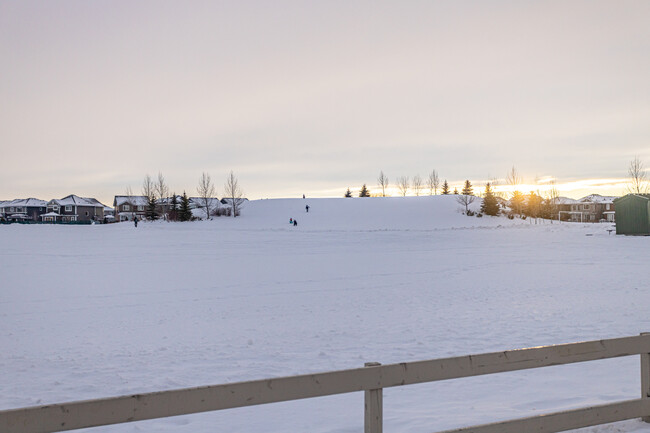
(372, 379)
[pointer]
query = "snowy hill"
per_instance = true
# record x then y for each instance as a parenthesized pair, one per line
(376, 213)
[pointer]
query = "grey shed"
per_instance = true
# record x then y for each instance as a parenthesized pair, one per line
(633, 214)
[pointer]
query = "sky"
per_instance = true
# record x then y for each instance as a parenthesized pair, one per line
(299, 97)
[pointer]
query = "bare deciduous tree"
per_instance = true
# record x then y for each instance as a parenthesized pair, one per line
(149, 191)
(161, 190)
(148, 188)
(514, 179)
(433, 182)
(637, 177)
(466, 200)
(233, 193)
(417, 184)
(382, 180)
(206, 191)
(403, 185)
(553, 200)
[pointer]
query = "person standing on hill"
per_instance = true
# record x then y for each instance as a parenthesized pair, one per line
(135, 221)
(295, 223)
(307, 208)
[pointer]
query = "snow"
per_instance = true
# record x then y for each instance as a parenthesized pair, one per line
(24, 202)
(105, 310)
(597, 198)
(134, 200)
(75, 200)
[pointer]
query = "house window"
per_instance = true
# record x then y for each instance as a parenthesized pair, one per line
(126, 207)
(19, 209)
(140, 208)
(607, 206)
(55, 208)
(86, 213)
(68, 208)
(585, 207)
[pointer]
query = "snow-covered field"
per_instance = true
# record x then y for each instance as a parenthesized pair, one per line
(97, 311)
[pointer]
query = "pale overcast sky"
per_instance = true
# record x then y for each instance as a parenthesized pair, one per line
(313, 97)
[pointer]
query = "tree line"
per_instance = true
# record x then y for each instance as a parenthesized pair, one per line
(160, 204)
(520, 204)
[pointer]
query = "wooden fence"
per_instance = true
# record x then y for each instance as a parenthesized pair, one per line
(371, 379)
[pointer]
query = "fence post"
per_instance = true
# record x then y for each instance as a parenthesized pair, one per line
(373, 421)
(645, 377)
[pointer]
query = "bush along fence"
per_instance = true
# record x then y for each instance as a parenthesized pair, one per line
(371, 379)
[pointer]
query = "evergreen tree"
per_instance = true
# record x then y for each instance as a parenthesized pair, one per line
(533, 205)
(467, 189)
(490, 204)
(549, 209)
(185, 213)
(348, 194)
(173, 210)
(150, 213)
(445, 188)
(455, 191)
(517, 202)
(364, 191)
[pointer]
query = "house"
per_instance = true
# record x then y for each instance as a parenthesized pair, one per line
(197, 204)
(29, 209)
(74, 209)
(128, 207)
(565, 206)
(633, 214)
(595, 208)
(164, 205)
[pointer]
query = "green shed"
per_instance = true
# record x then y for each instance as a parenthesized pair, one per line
(633, 214)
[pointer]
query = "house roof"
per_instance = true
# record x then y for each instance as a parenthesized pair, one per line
(24, 202)
(565, 200)
(133, 200)
(597, 198)
(75, 200)
(199, 201)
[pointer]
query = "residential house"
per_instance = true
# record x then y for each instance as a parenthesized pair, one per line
(595, 208)
(74, 208)
(164, 205)
(29, 209)
(197, 204)
(128, 207)
(564, 206)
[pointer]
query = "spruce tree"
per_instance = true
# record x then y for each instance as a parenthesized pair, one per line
(517, 202)
(186, 212)
(151, 209)
(445, 188)
(533, 205)
(455, 191)
(173, 210)
(364, 191)
(490, 204)
(467, 189)
(348, 194)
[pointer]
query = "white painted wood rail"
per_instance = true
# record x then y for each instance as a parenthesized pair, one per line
(371, 379)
